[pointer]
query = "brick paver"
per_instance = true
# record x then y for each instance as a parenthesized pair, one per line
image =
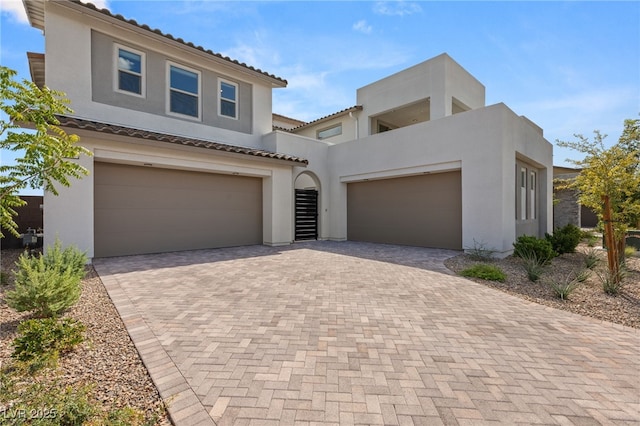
(357, 333)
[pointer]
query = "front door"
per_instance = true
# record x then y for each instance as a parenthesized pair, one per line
(306, 214)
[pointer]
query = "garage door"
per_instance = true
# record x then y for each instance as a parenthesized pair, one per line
(424, 211)
(151, 210)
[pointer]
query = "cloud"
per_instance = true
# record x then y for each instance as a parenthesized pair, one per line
(15, 10)
(363, 27)
(396, 8)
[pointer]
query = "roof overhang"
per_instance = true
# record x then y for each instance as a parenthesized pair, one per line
(35, 12)
(36, 68)
(130, 132)
(328, 117)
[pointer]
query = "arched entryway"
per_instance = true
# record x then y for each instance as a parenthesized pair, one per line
(306, 206)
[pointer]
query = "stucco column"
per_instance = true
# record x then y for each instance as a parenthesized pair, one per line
(277, 207)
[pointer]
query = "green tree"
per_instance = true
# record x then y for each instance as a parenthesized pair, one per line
(630, 141)
(48, 151)
(608, 184)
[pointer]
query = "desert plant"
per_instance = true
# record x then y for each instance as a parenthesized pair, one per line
(41, 341)
(3, 278)
(485, 272)
(629, 251)
(49, 284)
(563, 287)
(527, 245)
(565, 239)
(533, 266)
(583, 275)
(612, 282)
(591, 258)
(480, 252)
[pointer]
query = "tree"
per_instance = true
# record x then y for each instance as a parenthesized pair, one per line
(608, 184)
(48, 152)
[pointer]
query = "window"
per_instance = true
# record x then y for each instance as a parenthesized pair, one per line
(532, 195)
(330, 131)
(523, 193)
(228, 99)
(184, 91)
(129, 76)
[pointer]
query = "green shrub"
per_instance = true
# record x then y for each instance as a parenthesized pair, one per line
(565, 239)
(41, 341)
(629, 251)
(49, 284)
(527, 246)
(592, 258)
(533, 266)
(485, 272)
(563, 287)
(3, 278)
(43, 403)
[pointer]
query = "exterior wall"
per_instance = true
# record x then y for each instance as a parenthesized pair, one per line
(566, 210)
(439, 79)
(68, 69)
(155, 99)
(482, 143)
(76, 225)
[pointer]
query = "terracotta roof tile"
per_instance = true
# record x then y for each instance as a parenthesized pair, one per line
(327, 117)
(78, 123)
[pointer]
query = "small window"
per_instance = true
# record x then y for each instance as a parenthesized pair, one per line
(523, 194)
(532, 195)
(330, 132)
(184, 91)
(228, 99)
(129, 71)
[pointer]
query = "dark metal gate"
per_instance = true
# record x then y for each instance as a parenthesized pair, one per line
(306, 214)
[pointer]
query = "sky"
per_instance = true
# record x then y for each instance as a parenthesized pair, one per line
(571, 67)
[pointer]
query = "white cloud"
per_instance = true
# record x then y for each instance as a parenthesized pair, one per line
(396, 8)
(362, 27)
(15, 10)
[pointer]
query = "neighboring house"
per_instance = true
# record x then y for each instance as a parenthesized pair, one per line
(567, 208)
(186, 155)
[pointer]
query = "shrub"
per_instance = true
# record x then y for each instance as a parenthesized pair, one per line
(485, 272)
(3, 278)
(527, 245)
(563, 287)
(565, 239)
(533, 266)
(480, 252)
(591, 258)
(41, 341)
(629, 251)
(49, 284)
(583, 275)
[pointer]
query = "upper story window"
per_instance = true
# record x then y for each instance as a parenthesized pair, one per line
(184, 91)
(228, 99)
(330, 131)
(129, 71)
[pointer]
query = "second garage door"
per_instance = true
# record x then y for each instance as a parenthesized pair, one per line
(151, 210)
(424, 211)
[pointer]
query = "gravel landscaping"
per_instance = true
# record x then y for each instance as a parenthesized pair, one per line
(587, 299)
(107, 359)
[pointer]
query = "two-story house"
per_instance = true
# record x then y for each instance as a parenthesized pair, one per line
(187, 153)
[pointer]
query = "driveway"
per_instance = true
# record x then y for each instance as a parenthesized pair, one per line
(356, 333)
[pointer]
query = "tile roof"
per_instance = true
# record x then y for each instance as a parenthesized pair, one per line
(36, 8)
(328, 117)
(78, 123)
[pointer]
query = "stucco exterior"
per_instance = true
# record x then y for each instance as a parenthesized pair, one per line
(430, 118)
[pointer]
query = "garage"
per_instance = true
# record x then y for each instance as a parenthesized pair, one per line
(423, 210)
(151, 210)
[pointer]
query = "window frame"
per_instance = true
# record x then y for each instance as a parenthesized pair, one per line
(533, 192)
(169, 89)
(236, 104)
(328, 128)
(523, 193)
(116, 70)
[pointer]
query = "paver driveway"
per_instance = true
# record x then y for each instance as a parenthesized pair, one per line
(361, 333)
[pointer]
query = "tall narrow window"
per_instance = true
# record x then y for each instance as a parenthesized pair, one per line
(228, 99)
(129, 71)
(532, 195)
(184, 91)
(523, 193)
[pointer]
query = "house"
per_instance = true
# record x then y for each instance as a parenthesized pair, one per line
(188, 154)
(567, 208)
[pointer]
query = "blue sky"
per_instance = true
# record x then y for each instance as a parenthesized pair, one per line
(571, 67)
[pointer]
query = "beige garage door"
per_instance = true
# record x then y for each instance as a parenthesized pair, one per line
(151, 210)
(424, 211)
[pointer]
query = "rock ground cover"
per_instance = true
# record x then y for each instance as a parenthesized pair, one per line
(107, 360)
